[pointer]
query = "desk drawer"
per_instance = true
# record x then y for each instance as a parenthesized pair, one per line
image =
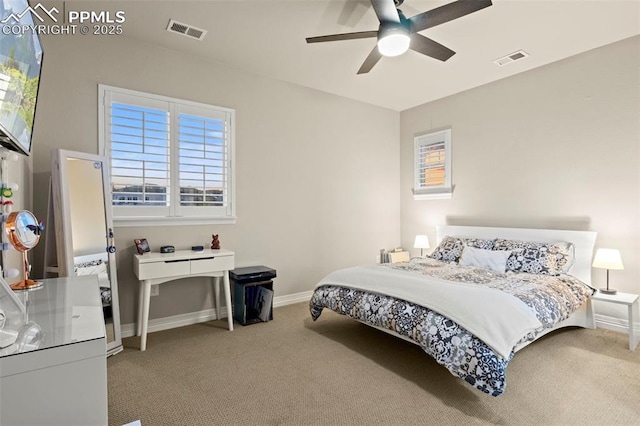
(147, 271)
(218, 263)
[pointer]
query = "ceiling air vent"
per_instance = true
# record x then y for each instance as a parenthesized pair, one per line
(186, 30)
(512, 57)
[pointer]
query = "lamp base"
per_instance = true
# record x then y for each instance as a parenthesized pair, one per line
(26, 285)
(608, 291)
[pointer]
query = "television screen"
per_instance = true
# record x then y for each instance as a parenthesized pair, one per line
(20, 62)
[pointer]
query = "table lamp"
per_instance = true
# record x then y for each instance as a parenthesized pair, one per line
(421, 242)
(607, 259)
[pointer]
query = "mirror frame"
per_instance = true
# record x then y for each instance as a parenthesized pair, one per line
(11, 227)
(64, 233)
(13, 234)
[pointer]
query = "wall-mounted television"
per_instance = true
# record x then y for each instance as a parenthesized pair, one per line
(20, 64)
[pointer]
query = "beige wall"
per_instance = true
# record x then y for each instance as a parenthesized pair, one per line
(317, 175)
(555, 147)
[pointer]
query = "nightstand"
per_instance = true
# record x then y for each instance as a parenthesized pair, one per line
(622, 299)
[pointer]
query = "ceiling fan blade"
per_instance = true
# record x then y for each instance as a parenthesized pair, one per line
(386, 10)
(345, 36)
(447, 13)
(426, 46)
(371, 60)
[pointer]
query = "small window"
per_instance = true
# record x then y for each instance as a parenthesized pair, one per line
(171, 160)
(432, 156)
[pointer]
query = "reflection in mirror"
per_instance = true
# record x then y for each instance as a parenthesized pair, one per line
(24, 233)
(82, 215)
(13, 315)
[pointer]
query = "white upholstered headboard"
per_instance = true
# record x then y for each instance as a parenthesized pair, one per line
(584, 241)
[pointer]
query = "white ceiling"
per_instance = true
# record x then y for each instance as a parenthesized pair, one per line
(268, 37)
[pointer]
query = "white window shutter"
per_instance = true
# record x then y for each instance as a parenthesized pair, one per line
(139, 153)
(431, 165)
(203, 161)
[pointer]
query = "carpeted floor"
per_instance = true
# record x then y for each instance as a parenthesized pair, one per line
(336, 371)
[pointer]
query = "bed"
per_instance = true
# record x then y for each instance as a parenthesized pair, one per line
(482, 295)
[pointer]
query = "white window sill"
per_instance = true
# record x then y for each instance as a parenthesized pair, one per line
(443, 194)
(171, 221)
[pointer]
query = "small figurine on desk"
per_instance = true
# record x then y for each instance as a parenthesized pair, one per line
(215, 242)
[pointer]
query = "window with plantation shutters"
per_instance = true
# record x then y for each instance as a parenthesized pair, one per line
(171, 160)
(432, 172)
(202, 160)
(139, 154)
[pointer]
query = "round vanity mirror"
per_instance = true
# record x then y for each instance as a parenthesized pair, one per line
(24, 233)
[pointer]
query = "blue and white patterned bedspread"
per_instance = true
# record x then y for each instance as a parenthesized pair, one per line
(551, 298)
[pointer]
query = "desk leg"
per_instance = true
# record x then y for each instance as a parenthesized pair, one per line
(140, 307)
(144, 313)
(227, 297)
(216, 295)
(632, 337)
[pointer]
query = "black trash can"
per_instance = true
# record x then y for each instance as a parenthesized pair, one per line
(252, 294)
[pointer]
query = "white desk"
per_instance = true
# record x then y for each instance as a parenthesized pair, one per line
(158, 268)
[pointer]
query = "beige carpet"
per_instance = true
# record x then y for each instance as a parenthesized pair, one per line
(336, 371)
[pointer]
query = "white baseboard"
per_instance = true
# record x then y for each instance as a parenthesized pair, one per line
(290, 299)
(614, 324)
(181, 320)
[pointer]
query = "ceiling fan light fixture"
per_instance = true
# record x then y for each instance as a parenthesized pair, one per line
(396, 34)
(393, 41)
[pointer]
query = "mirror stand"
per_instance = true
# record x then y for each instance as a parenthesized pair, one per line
(80, 224)
(26, 283)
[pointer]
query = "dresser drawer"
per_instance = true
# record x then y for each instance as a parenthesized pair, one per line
(218, 263)
(170, 268)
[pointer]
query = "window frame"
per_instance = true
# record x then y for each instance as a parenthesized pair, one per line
(175, 214)
(435, 192)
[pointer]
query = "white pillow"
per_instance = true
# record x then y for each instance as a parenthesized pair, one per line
(488, 259)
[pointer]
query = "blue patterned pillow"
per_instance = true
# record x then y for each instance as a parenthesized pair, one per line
(537, 258)
(450, 248)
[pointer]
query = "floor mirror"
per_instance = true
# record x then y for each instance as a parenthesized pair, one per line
(81, 212)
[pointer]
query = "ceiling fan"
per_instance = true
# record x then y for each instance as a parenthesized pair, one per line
(396, 34)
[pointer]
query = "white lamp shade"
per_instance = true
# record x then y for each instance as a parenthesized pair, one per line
(607, 259)
(421, 242)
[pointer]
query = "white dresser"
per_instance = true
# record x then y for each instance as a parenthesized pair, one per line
(59, 377)
(157, 268)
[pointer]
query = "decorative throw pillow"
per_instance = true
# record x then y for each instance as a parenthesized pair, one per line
(487, 259)
(478, 243)
(566, 255)
(536, 257)
(450, 248)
